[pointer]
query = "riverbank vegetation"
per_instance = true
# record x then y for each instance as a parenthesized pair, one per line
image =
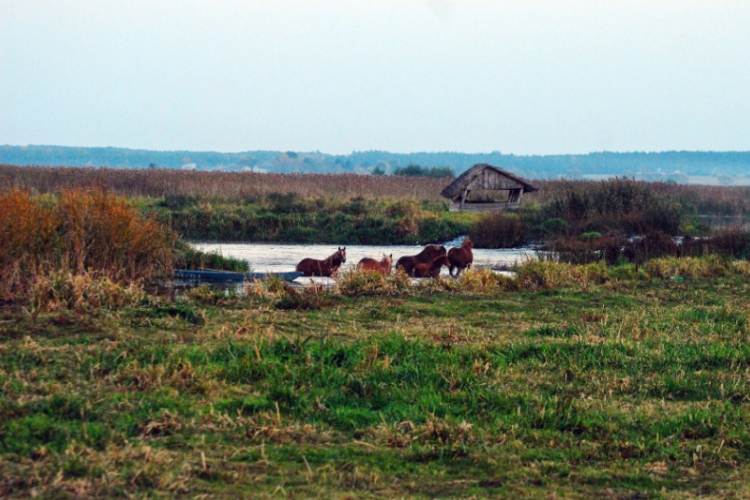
(578, 380)
(371, 209)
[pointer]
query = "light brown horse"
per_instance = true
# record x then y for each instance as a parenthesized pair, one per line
(314, 267)
(427, 255)
(382, 267)
(461, 258)
(431, 269)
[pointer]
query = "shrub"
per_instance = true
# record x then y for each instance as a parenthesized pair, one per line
(554, 227)
(592, 235)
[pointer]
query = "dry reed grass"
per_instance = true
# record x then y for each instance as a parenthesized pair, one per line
(238, 185)
(76, 232)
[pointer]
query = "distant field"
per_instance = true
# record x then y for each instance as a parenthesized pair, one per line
(157, 183)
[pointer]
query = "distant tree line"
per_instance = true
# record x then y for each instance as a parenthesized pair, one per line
(663, 165)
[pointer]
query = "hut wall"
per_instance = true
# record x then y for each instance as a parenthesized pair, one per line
(491, 180)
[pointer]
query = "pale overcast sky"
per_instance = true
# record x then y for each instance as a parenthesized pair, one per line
(518, 76)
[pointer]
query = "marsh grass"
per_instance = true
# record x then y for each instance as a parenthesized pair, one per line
(187, 257)
(80, 232)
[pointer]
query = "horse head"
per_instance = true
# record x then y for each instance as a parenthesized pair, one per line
(442, 261)
(387, 260)
(341, 254)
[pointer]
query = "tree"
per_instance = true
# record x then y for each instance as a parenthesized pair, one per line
(413, 170)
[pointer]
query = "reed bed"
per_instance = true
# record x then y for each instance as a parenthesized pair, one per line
(77, 232)
(719, 200)
(158, 183)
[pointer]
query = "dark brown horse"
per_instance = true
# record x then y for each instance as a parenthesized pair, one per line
(314, 267)
(461, 258)
(431, 269)
(428, 254)
(382, 267)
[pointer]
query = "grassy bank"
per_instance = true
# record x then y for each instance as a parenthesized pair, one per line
(291, 218)
(581, 381)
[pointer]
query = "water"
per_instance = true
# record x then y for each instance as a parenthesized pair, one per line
(272, 257)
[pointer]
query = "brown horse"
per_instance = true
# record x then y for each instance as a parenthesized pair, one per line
(314, 267)
(428, 254)
(461, 258)
(432, 268)
(382, 267)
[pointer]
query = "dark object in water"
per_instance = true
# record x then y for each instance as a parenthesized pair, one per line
(231, 277)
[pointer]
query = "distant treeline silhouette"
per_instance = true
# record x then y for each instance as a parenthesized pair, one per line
(709, 163)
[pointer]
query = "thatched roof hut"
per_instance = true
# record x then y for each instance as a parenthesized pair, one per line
(486, 178)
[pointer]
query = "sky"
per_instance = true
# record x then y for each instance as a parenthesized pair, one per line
(336, 76)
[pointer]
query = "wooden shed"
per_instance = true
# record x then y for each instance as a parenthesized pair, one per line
(484, 177)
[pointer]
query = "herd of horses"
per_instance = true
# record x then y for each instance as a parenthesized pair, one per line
(426, 264)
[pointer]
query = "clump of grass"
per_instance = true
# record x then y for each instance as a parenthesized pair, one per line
(61, 290)
(81, 232)
(356, 283)
(310, 298)
(187, 257)
(485, 281)
(536, 274)
(688, 267)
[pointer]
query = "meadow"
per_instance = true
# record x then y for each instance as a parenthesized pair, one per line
(572, 381)
(622, 379)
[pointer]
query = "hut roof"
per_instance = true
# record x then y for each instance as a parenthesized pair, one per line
(462, 181)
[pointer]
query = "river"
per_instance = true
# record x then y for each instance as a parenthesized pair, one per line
(273, 257)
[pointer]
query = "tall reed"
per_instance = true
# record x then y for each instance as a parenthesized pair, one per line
(77, 231)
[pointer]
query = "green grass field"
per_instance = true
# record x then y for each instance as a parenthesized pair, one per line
(618, 383)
